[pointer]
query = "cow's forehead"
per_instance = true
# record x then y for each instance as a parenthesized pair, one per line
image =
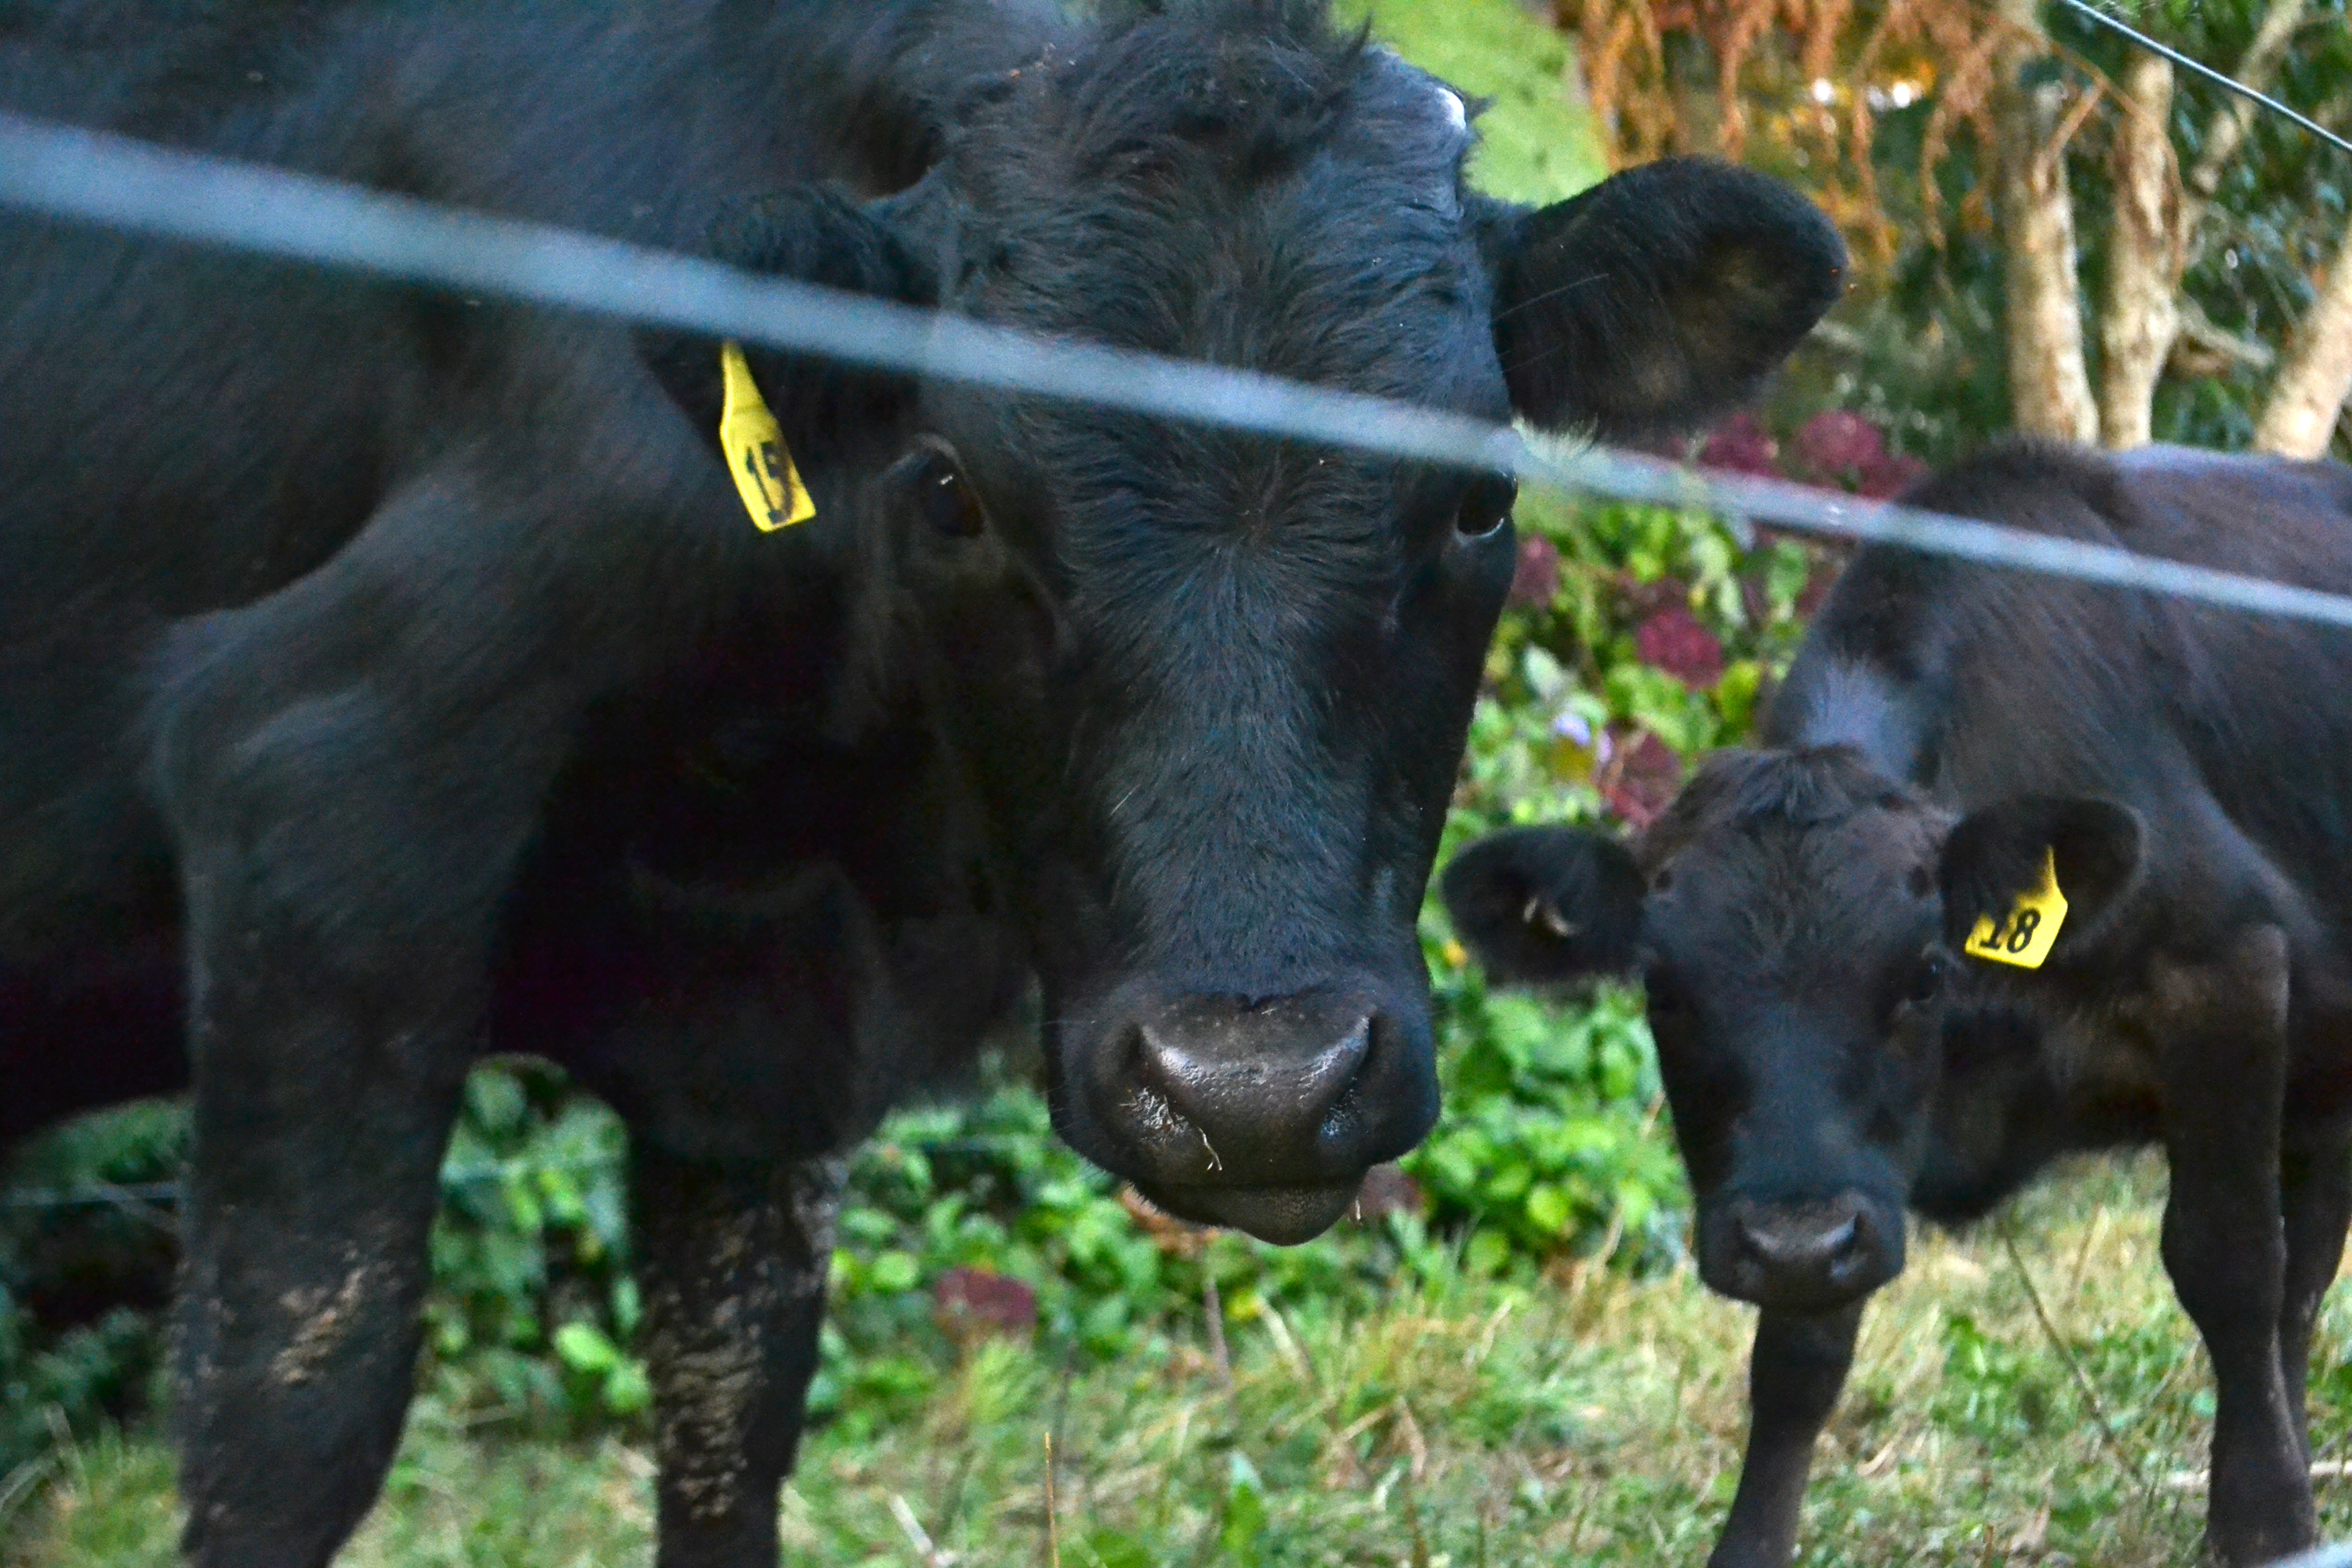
(1824, 894)
(1243, 202)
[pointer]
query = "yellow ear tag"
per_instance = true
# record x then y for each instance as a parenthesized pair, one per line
(756, 454)
(2024, 936)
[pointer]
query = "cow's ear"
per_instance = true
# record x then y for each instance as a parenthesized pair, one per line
(1547, 904)
(813, 235)
(1658, 299)
(1995, 856)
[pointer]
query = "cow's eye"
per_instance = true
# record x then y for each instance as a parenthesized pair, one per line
(948, 501)
(1926, 979)
(1485, 511)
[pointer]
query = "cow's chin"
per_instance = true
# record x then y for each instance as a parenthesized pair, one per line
(1283, 1215)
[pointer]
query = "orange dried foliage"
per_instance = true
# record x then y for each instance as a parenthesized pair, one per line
(1764, 57)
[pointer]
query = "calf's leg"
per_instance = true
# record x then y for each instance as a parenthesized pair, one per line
(733, 1266)
(2224, 1084)
(1794, 1372)
(2315, 1203)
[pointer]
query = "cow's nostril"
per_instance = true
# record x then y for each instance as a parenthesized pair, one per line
(1813, 1236)
(1215, 1085)
(1264, 1086)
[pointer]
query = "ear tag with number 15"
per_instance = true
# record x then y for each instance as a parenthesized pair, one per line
(756, 454)
(2024, 936)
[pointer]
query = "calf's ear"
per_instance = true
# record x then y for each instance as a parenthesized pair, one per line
(1547, 904)
(1658, 299)
(1993, 856)
(813, 235)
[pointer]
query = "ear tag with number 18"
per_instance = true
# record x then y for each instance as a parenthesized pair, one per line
(2024, 936)
(756, 454)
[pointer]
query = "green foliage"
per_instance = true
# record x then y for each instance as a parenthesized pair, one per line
(532, 1300)
(1537, 142)
(1595, 1419)
(86, 1251)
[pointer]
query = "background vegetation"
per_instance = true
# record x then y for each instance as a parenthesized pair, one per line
(1503, 1357)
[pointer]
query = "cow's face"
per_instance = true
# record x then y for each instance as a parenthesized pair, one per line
(1796, 918)
(1213, 688)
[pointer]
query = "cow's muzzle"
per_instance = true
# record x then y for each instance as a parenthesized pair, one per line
(1800, 1255)
(1260, 1114)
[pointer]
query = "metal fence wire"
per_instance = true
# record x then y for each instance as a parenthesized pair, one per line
(114, 182)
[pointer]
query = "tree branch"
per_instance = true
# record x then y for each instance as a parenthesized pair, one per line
(2139, 317)
(2317, 375)
(2049, 387)
(2226, 131)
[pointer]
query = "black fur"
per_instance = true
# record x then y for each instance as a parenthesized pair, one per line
(1829, 1051)
(407, 664)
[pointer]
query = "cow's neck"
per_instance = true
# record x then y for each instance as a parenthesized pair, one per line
(1853, 703)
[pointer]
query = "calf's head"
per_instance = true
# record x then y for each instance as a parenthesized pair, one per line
(1213, 688)
(1798, 919)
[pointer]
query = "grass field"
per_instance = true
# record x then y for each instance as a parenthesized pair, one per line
(1594, 1419)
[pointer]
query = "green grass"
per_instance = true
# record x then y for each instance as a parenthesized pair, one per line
(1590, 1419)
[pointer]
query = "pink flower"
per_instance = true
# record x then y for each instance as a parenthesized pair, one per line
(974, 1304)
(1673, 640)
(1741, 444)
(1642, 780)
(1838, 446)
(1890, 476)
(1536, 583)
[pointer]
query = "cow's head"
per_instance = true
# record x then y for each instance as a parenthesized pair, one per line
(1214, 688)
(1828, 1051)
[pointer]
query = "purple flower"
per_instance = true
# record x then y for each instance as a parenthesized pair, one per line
(1741, 444)
(1838, 446)
(974, 1304)
(1536, 583)
(1643, 780)
(1673, 640)
(1890, 476)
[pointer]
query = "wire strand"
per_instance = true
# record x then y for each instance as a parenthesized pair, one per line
(138, 187)
(2117, 25)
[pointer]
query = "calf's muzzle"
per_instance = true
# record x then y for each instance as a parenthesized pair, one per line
(1800, 1255)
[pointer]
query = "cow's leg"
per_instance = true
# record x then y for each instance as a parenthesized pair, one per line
(350, 769)
(2315, 1202)
(1794, 1373)
(733, 1266)
(2224, 1085)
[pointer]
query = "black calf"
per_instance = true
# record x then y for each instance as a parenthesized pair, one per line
(1865, 1001)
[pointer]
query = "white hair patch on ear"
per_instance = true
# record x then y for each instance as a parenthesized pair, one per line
(1456, 112)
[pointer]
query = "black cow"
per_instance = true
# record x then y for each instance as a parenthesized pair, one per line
(403, 670)
(1834, 1046)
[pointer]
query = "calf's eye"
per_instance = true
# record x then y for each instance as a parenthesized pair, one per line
(1485, 511)
(1926, 979)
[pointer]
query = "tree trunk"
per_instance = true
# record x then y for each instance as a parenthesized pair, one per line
(2317, 377)
(2049, 390)
(2139, 318)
